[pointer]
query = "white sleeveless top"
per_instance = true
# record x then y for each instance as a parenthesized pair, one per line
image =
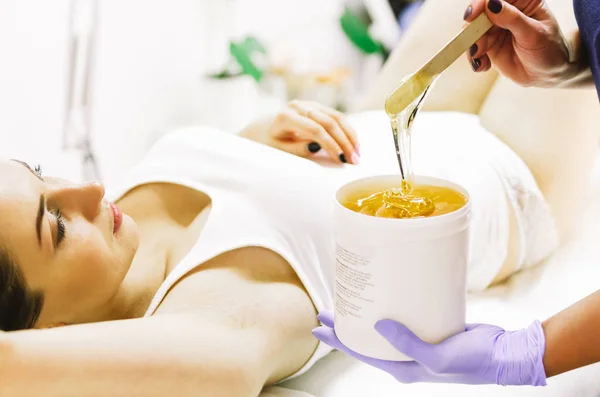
(260, 197)
(268, 198)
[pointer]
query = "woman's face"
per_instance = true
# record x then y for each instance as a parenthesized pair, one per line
(63, 238)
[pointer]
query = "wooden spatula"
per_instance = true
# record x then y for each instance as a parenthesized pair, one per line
(415, 84)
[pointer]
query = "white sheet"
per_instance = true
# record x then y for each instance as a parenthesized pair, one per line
(571, 274)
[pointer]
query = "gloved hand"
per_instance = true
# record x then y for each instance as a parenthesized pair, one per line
(483, 354)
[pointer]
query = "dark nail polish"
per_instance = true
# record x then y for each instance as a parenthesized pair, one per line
(473, 50)
(495, 6)
(314, 147)
(343, 158)
(468, 12)
(475, 64)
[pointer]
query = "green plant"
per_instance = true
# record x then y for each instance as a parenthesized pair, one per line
(357, 32)
(243, 60)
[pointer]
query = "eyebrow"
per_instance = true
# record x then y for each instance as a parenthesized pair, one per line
(41, 207)
(38, 219)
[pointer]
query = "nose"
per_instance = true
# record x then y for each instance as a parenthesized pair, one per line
(70, 199)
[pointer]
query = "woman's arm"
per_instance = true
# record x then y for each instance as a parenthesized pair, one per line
(166, 355)
(573, 337)
(458, 88)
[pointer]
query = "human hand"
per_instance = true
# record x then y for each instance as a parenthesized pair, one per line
(483, 354)
(526, 44)
(304, 128)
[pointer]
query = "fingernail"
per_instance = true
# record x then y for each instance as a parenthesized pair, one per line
(468, 12)
(475, 64)
(495, 6)
(343, 158)
(355, 159)
(314, 147)
(357, 149)
(473, 50)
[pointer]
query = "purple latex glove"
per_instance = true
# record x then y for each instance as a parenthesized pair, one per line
(483, 354)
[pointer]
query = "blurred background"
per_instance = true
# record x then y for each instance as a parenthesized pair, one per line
(86, 86)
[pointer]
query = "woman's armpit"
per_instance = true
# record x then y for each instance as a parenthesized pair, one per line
(267, 301)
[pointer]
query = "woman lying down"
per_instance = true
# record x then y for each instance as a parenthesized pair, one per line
(202, 274)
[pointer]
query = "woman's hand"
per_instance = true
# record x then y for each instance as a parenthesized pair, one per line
(483, 354)
(304, 128)
(526, 44)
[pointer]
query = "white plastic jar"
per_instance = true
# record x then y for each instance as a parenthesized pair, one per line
(409, 270)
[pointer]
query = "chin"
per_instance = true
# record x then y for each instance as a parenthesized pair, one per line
(128, 235)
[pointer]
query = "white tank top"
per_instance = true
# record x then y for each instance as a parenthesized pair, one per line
(260, 197)
(268, 198)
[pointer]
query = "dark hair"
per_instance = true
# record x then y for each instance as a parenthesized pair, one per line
(20, 306)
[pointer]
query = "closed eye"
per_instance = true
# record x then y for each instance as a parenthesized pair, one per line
(60, 228)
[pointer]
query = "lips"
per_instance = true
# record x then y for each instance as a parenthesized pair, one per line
(117, 217)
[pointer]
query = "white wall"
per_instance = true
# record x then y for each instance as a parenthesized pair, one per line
(151, 57)
(307, 31)
(32, 77)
